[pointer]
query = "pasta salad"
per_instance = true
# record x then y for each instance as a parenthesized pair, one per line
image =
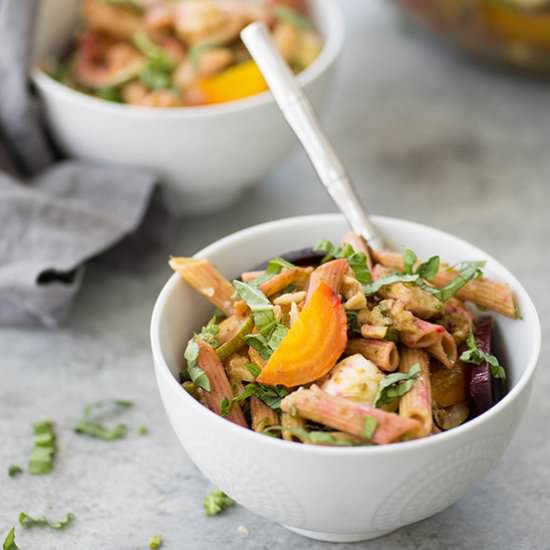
(345, 346)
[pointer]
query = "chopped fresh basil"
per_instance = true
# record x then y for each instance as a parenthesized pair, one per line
(256, 300)
(44, 449)
(467, 272)
(27, 521)
(216, 501)
(157, 57)
(476, 356)
(313, 437)
(269, 395)
(91, 423)
(142, 430)
(254, 369)
(197, 375)
(409, 259)
(209, 332)
(353, 323)
(369, 427)
(277, 264)
(155, 78)
(429, 269)
(135, 4)
(9, 541)
(14, 470)
(395, 385)
(109, 93)
(356, 260)
(374, 287)
(292, 16)
(155, 542)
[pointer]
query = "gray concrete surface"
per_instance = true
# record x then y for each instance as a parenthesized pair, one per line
(428, 136)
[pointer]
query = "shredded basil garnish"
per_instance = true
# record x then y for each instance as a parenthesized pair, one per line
(476, 356)
(395, 385)
(45, 448)
(27, 521)
(14, 470)
(91, 423)
(370, 426)
(356, 260)
(270, 395)
(216, 501)
(9, 541)
(155, 542)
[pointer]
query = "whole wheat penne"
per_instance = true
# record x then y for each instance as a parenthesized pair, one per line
(359, 245)
(382, 353)
(347, 416)
(280, 281)
(290, 422)
(425, 334)
(261, 415)
(420, 302)
(236, 368)
(483, 292)
(457, 320)
(417, 403)
(206, 280)
(220, 388)
(332, 273)
(444, 350)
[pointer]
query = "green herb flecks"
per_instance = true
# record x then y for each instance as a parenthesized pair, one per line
(27, 521)
(196, 52)
(44, 449)
(353, 322)
(14, 470)
(476, 356)
(216, 501)
(93, 419)
(209, 332)
(468, 271)
(356, 260)
(269, 395)
(157, 73)
(314, 437)
(109, 93)
(290, 15)
(395, 385)
(270, 332)
(155, 542)
(142, 430)
(197, 375)
(369, 427)
(375, 286)
(9, 541)
(254, 369)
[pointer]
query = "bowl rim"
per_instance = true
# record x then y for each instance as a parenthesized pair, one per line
(161, 366)
(332, 47)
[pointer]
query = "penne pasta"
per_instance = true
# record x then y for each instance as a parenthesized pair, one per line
(382, 353)
(280, 281)
(423, 335)
(248, 276)
(206, 280)
(291, 422)
(482, 292)
(236, 368)
(261, 415)
(344, 415)
(417, 403)
(444, 350)
(220, 388)
(332, 273)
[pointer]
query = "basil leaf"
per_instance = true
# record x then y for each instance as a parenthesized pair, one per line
(155, 542)
(429, 269)
(313, 437)
(44, 449)
(374, 287)
(277, 264)
(93, 415)
(27, 521)
(14, 470)
(327, 248)
(353, 322)
(100, 431)
(356, 260)
(216, 502)
(370, 426)
(255, 299)
(142, 429)
(227, 404)
(254, 369)
(197, 375)
(395, 385)
(277, 336)
(158, 58)
(109, 93)
(468, 272)
(209, 332)
(155, 78)
(269, 395)
(9, 541)
(259, 343)
(409, 259)
(476, 356)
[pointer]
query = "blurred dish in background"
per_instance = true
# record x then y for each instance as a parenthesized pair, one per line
(160, 53)
(516, 32)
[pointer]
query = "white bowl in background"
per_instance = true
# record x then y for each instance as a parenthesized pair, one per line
(339, 494)
(206, 155)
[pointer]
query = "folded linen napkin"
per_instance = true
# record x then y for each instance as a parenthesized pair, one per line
(54, 215)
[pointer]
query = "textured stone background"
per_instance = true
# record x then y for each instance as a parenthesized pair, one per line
(428, 136)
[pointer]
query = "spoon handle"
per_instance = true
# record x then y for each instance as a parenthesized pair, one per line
(302, 119)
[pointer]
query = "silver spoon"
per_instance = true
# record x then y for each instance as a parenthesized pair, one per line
(302, 119)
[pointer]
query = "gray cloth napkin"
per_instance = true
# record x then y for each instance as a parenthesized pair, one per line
(54, 215)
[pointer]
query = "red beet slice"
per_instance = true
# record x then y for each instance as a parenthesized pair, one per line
(481, 387)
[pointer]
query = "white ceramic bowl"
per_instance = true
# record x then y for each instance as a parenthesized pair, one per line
(339, 494)
(206, 155)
